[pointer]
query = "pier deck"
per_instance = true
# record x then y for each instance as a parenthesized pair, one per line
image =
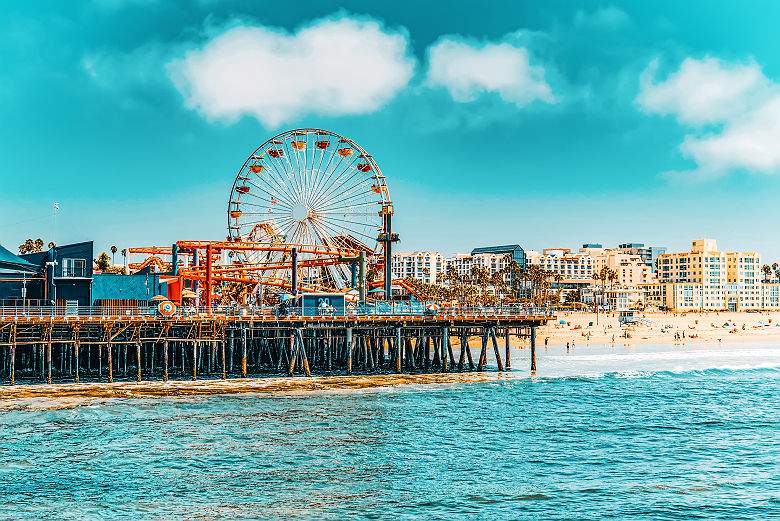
(68, 349)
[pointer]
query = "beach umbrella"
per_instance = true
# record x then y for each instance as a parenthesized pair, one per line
(285, 296)
(159, 297)
(432, 307)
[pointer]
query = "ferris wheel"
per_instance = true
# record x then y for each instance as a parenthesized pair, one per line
(308, 187)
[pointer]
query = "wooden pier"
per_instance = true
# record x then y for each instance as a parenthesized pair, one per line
(71, 349)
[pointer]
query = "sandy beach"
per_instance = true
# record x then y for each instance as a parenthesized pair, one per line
(661, 328)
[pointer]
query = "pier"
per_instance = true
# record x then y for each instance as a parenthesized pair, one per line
(108, 348)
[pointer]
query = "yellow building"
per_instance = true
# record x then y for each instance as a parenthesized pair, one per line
(707, 279)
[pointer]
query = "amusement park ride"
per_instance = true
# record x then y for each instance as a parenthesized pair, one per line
(309, 211)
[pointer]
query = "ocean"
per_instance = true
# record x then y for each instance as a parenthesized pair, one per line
(601, 432)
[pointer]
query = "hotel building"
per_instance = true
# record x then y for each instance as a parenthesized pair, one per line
(708, 279)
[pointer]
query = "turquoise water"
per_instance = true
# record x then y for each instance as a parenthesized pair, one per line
(650, 432)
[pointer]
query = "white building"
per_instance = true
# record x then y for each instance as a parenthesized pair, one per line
(574, 267)
(425, 266)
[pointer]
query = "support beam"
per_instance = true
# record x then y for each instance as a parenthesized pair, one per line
(76, 349)
(48, 360)
(165, 360)
(398, 350)
(445, 344)
(109, 347)
(506, 345)
(224, 364)
(533, 349)
(483, 352)
(12, 365)
(495, 349)
(302, 347)
(349, 350)
(195, 360)
(243, 352)
(138, 360)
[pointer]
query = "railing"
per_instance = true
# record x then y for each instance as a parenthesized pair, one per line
(379, 309)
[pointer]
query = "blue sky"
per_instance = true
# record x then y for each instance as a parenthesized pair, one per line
(547, 124)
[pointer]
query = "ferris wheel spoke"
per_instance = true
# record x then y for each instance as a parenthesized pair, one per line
(317, 180)
(348, 198)
(293, 169)
(277, 183)
(291, 183)
(278, 203)
(340, 230)
(338, 174)
(255, 205)
(338, 183)
(341, 219)
(356, 205)
(322, 157)
(287, 179)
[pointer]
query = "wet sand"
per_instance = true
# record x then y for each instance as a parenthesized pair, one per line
(66, 395)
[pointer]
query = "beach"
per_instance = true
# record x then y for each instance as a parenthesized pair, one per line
(659, 328)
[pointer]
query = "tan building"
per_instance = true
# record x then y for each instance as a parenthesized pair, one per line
(708, 279)
(631, 268)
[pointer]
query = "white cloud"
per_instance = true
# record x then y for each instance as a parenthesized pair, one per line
(332, 67)
(751, 142)
(733, 111)
(468, 70)
(702, 91)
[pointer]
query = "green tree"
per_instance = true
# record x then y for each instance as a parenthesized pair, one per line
(101, 263)
(113, 253)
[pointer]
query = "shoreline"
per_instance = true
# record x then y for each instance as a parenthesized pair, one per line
(67, 395)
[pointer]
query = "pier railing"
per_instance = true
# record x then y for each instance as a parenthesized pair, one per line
(382, 309)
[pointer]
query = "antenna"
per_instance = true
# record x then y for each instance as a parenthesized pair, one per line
(56, 207)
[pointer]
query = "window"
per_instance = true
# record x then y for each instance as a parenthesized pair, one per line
(73, 267)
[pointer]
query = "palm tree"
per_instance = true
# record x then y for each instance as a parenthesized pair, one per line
(113, 252)
(767, 272)
(558, 279)
(124, 254)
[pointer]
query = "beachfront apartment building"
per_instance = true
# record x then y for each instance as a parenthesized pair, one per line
(708, 279)
(631, 269)
(425, 266)
(571, 266)
(579, 268)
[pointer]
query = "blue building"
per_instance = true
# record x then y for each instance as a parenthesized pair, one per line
(515, 251)
(135, 289)
(67, 271)
(21, 282)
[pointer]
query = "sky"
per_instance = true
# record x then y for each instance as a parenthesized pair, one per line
(548, 124)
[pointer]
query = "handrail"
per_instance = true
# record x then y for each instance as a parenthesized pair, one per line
(378, 309)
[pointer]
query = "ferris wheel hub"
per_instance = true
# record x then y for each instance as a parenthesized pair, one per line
(300, 212)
